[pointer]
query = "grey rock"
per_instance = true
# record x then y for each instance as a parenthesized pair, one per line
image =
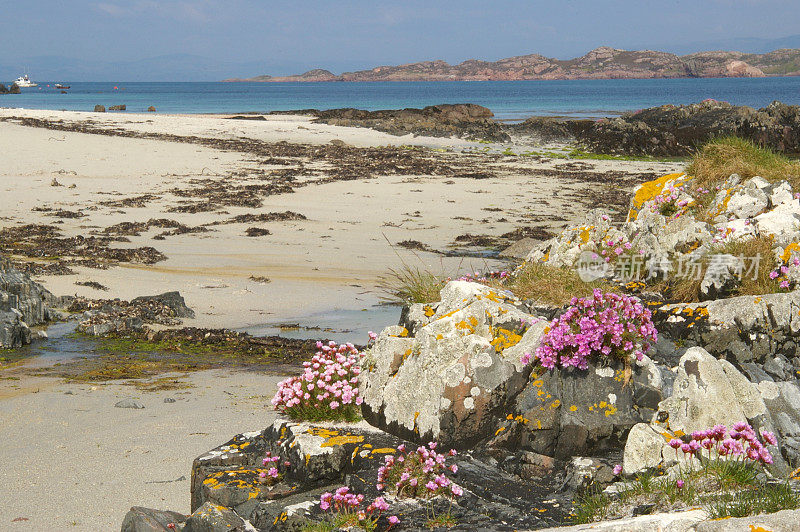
(169, 400)
(783, 521)
(23, 303)
(464, 364)
(140, 519)
(173, 300)
(214, 518)
(129, 403)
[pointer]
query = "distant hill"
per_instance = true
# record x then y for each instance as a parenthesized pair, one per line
(600, 63)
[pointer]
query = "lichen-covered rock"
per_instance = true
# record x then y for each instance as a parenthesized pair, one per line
(451, 379)
(140, 519)
(708, 392)
(317, 453)
(564, 249)
(643, 449)
(743, 328)
(570, 412)
(215, 518)
(702, 395)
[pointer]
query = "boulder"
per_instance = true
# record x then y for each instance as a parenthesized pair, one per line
(570, 412)
(140, 519)
(99, 108)
(23, 303)
(151, 109)
(319, 455)
(214, 518)
(643, 449)
(174, 300)
(743, 328)
(117, 108)
(452, 378)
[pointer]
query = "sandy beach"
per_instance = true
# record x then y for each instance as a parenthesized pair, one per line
(83, 462)
(332, 260)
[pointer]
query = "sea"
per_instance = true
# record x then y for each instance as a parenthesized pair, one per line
(509, 100)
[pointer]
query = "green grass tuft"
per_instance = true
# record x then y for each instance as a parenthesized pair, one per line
(721, 157)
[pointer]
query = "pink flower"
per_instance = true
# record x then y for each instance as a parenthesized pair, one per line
(617, 470)
(393, 519)
(679, 483)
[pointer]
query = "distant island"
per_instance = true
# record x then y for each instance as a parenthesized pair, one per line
(600, 63)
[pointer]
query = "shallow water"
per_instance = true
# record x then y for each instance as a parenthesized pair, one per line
(344, 325)
(509, 100)
(347, 325)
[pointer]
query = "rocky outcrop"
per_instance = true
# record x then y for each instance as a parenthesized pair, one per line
(102, 317)
(672, 130)
(445, 120)
(13, 89)
(23, 303)
(601, 63)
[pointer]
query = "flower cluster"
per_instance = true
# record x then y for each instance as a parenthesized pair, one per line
(668, 204)
(273, 474)
(605, 325)
(741, 443)
(328, 387)
(611, 249)
(421, 473)
(348, 512)
(781, 273)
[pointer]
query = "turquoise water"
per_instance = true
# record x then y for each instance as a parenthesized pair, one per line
(509, 100)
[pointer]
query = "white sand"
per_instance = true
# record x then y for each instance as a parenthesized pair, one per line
(76, 462)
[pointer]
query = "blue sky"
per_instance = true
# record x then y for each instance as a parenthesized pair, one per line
(289, 36)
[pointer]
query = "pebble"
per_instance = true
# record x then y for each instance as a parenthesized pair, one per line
(169, 400)
(129, 403)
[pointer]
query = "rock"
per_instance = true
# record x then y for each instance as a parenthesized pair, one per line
(678, 130)
(23, 303)
(782, 521)
(744, 328)
(214, 518)
(583, 473)
(129, 403)
(642, 449)
(151, 109)
(666, 522)
(117, 108)
(99, 109)
(446, 120)
(140, 519)
(169, 400)
(750, 199)
(721, 276)
(566, 413)
(172, 300)
(449, 381)
(519, 249)
(228, 475)
(702, 395)
(14, 89)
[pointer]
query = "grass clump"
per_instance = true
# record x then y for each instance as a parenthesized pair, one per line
(549, 285)
(721, 157)
(755, 276)
(408, 285)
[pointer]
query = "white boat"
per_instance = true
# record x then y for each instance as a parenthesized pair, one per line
(24, 81)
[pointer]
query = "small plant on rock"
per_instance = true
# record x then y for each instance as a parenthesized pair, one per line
(421, 474)
(328, 388)
(345, 510)
(275, 473)
(606, 326)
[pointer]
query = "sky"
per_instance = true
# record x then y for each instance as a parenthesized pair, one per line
(251, 37)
